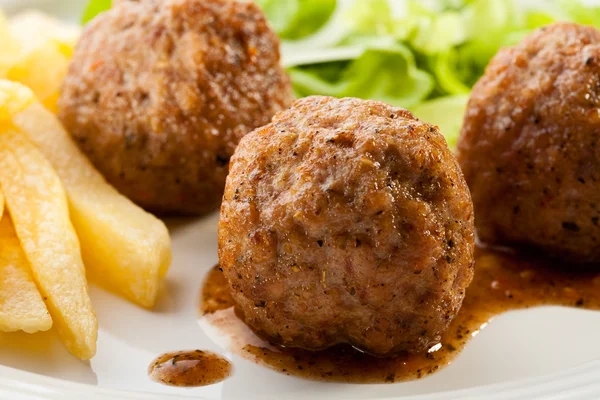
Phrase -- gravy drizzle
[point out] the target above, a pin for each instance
(502, 282)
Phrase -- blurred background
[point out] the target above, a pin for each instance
(424, 55)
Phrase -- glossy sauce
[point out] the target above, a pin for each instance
(502, 282)
(189, 368)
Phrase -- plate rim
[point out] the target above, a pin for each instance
(581, 382)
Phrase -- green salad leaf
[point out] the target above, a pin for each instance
(427, 56)
(442, 33)
(382, 72)
(445, 112)
(453, 75)
(94, 8)
(580, 12)
(295, 19)
(374, 17)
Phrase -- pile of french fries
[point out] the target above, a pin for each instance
(59, 218)
(35, 50)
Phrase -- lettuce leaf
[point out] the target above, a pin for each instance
(445, 112)
(440, 33)
(369, 18)
(580, 12)
(295, 19)
(453, 74)
(382, 72)
(94, 8)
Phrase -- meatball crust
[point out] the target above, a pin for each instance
(159, 93)
(347, 221)
(530, 145)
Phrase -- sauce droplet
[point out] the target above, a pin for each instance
(189, 368)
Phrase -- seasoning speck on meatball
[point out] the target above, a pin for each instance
(159, 93)
(347, 221)
(530, 145)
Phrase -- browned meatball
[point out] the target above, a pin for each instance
(347, 221)
(159, 93)
(530, 145)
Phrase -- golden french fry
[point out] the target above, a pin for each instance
(14, 97)
(4, 29)
(42, 70)
(21, 305)
(125, 248)
(1, 204)
(38, 206)
(32, 29)
(35, 50)
(9, 48)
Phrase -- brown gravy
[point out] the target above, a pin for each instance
(189, 368)
(502, 282)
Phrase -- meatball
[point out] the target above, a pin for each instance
(530, 145)
(160, 92)
(347, 221)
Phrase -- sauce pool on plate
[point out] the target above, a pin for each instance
(502, 282)
(190, 368)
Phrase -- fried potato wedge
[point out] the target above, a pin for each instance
(124, 248)
(14, 98)
(38, 206)
(9, 48)
(32, 29)
(21, 305)
(42, 70)
(35, 50)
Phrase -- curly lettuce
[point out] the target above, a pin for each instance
(94, 8)
(385, 72)
(295, 19)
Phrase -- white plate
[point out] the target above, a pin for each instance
(545, 353)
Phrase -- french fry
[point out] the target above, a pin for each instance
(35, 50)
(9, 48)
(38, 206)
(125, 248)
(21, 305)
(42, 70)
(14, 98)
(32, 29)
